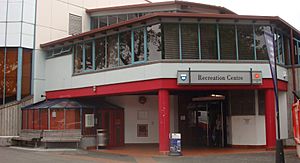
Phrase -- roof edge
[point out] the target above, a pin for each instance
(89, 11)
(150, 16)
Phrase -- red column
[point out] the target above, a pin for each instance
(270, 119)
(164, 120)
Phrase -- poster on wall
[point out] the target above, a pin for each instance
(142, 115)
(142, 130)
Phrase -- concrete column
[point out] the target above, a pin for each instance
(164, 120)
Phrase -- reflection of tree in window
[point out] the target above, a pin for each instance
(245, 40)
(139, 44)
(261, 49)
(11, 75)
(112, 51)
(26, 72)
(88, 56)
(78, 63)
(100, 53)
(278, 47)
(125, 48)
(154, 42)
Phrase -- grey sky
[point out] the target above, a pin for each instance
(286, 9)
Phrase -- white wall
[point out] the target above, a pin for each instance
(65, 80)
(248, 130)
(132, 106)
(283, 114)
(52, 23)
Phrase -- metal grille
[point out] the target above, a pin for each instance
(75, 24)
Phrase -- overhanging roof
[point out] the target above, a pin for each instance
(274, 19)
(158, 4)
(66, 103)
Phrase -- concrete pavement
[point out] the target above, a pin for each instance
(13, 155)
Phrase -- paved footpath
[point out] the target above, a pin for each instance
(12, 155)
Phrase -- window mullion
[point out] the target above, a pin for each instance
(254, 42)
(218, 42)
(236, 42)
(145, 43)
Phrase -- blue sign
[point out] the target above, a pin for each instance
(183, 77)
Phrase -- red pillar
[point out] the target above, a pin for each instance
(270, 119)
(164, 120)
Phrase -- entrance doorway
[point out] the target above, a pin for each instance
(112, 121)
(202, 123)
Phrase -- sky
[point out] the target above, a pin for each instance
(289, 10)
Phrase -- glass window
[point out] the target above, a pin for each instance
(171, 41)
(208, 36)
(279, 48)
(30, 119)
(154, 42)
(261, 48)
(11, 75)
(287, 51)
(227, 42)
(139, 45)
(72, 119)
(296, 52)
(78, 62)
(122, 18)
(43, 119)
(88, 48)
(189, 39)
(102, 21)
(261, 102)
(112, 51)
(24, 119)
(125, 48)
(57, 119)
(26, 73)
(245, 41)
(242, 102)
(100, 53)
(1, 74)
(36, 124)
(94, 22)
(112, 19)
(132, 16)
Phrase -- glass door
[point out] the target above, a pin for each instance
(215, 124)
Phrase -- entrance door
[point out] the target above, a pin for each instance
(113, 123)
(204, 124)
(215, 124)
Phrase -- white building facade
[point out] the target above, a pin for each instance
(130, 54)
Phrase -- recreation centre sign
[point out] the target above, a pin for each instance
(219, 77)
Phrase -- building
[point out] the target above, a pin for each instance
(142, 71)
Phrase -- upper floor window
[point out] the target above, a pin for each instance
(177, 41)
(75, 24)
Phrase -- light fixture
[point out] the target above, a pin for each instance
(142, 99)
(94, 88)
